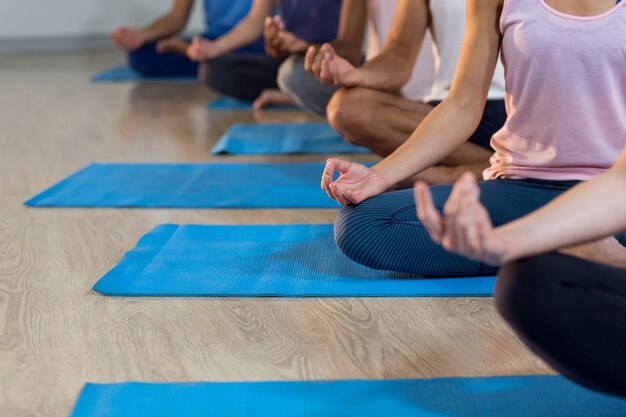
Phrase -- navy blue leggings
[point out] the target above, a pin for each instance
(572, 313)
(242, 74)
(384, 233)
(147, 61)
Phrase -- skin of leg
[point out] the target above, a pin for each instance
(357, 114)
(269, 97)
(606, 251)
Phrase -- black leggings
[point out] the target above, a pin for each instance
(242, 75)
(572, 313)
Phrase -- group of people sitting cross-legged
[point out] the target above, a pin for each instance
(527, 95)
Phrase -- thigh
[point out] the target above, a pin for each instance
(149, 62)
(384, 233)
(572, 313)
(243, 75)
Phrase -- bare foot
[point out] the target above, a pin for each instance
(605, 251)
(269, 97)
(172, 45)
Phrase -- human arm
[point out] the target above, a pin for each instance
(590, 211)
(167, 25)
(244, 33)
(392, 68)
(279, 41)
(448, 125)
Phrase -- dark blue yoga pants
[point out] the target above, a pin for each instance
(384, 233)
(147, 61)
(242, 74)
(572, 313)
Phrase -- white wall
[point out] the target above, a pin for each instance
(28, 19)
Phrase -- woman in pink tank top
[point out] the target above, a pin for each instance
(566, 104)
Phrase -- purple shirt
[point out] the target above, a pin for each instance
(315, 21)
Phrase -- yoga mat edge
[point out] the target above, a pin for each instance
(337, 276)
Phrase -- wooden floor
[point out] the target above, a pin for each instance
(56, 334)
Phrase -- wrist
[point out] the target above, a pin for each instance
(385, 177)
(302, 47)
(358, 78)
(512, 248)
(143, 37)
(219, 48)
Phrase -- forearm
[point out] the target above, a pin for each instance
(444, 130)
(246, 32)
(386, 72)
(590, 211)
(352, 24)
(348, 51)
(168, 25)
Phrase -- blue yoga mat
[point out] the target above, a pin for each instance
(266, 260)
(237, 185)
(227, 103)
(518, 396)
(124, 73)
(281, 138)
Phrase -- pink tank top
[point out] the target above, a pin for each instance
(565, 93)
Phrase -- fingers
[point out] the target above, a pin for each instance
(427, 213)
(271, 31)
(316, 64)
(326, 60)
(193, 49)
(309, 58)
(341, 165)
(125, 38)
(462, 217)
(340, 194)
(335, 190)
(327, 177)
(279, 22)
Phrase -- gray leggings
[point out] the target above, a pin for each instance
(304, 88)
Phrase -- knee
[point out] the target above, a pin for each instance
(360, 229)
(349, 111)
(350, 233)
(220, 76)
(141, 62)
(289, 73)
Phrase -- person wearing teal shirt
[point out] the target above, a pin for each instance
(157, 51)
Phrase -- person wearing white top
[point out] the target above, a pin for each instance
(356, 16)
(370, 108)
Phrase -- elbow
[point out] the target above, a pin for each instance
(471, 108)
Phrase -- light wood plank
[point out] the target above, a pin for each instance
(55, 334)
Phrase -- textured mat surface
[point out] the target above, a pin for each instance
(265, 260)
(237, 185)
(279, 138)
(124, 73)
(519, 396)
